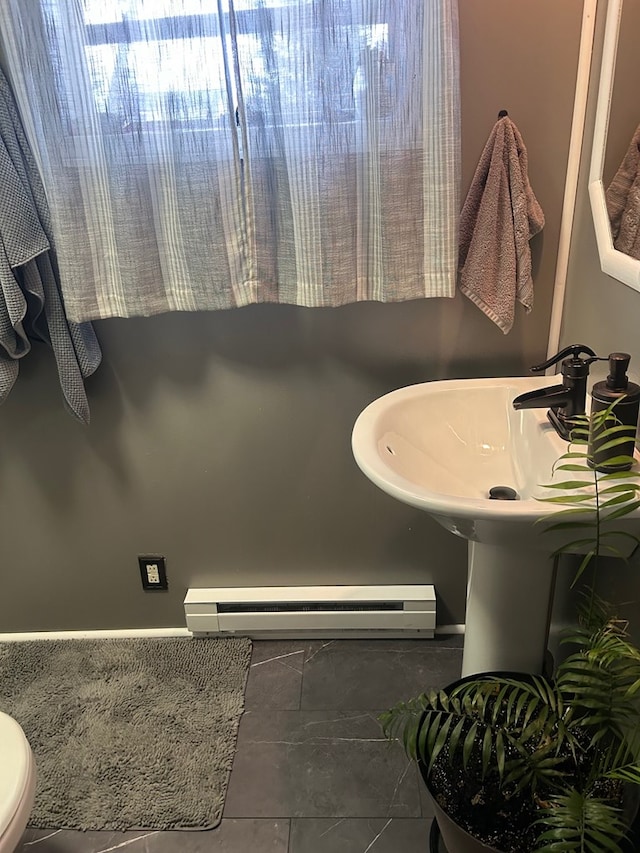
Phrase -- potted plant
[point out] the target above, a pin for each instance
(517, 763)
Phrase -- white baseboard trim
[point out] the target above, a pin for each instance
(140, 633)
(121, 634)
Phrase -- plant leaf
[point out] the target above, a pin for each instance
(455, 738)
(500, 753)
(582, 567)
(568, 484)
(567, 499)
(615, 442)
(469, 743)
(439, 742)
(570, 547)
(622, 511)
(571, 525)
(487, 743)
(630, 488)
(618, 475)
(615, 501)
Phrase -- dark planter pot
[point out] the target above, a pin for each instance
(458, 840)
(455, 838)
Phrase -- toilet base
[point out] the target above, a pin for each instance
(13, 833)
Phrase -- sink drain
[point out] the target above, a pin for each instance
(502, 493)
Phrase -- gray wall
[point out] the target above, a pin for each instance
(599, 310)
(222, 440)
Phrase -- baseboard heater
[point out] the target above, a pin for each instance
(279, 612)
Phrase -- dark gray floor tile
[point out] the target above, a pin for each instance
(348, 835)
(69, 841)
(326, 766)
(319, 764)
(275, 675)
(360, 674)
(448, 641)
(426, 803)
(231, 836)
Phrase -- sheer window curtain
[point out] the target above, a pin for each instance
(206, 154)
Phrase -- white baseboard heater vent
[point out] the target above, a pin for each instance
(330, 612)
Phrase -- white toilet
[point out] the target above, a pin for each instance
(17, 783)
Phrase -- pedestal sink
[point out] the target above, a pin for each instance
(441, 447)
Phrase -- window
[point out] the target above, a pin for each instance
(213, 153)
(165, 63)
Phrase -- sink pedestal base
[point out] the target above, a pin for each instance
(509, 595)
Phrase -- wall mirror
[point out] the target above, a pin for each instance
(617, 118)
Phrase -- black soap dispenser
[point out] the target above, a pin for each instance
(615, 387)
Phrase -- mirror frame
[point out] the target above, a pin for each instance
(612, 262)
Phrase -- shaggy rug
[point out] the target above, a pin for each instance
(128, 734)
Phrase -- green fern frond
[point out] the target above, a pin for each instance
(567, 485)
(627, 773)
(580, 822)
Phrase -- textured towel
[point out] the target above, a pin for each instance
(31, 306)
(499, 217)
(623, 201)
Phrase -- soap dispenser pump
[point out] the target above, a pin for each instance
(616, 387)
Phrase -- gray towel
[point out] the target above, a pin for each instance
(31, 306)
(623, 201)
(499, 217)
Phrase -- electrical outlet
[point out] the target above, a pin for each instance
(153, 572)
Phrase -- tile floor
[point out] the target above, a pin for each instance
(312, 772)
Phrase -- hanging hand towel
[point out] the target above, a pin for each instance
(499, 217)
(31, 306)
(623, 201)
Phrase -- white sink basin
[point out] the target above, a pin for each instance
(441, 446)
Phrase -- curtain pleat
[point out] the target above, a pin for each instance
(207, 154)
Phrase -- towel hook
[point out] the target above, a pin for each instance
(502, 114)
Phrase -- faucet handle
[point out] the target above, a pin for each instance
(574, 350)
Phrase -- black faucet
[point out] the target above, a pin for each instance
(563, 401)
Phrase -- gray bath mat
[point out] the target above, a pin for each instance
(128, 734)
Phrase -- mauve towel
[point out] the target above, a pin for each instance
(623, 201)
(31, 306)
(499, 217)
